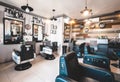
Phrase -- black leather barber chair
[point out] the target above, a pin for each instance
(96, 60)
(48, 49)
(47, 53)
(54, 46)
(22, 58)
(85, 49)
(72, 71)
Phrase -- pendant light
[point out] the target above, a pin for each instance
(86, 11)
(27, 8)
(53, 18)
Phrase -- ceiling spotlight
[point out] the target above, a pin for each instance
(27, 8)
(86, 11)
(53, 18)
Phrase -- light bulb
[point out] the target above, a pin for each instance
(27, 9)
(86, 13)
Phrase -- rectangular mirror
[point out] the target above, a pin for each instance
(12, 31)
(37, 32)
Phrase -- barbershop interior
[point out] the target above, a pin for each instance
(59, 41)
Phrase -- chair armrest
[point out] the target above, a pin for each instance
(97, 73)
(61, 78)
(16, 58)
(16, 52)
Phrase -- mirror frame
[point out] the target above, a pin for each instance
(21, 33)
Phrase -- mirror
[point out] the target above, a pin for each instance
(37, 32)
(12, 31)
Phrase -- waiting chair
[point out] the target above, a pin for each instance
(72, 71)
(22, 58)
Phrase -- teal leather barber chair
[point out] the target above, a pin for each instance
(72, 71)
(96, 60)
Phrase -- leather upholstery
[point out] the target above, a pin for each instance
(96, 60)
(54, 46)
(22, 58)
(47, 50)
(79, 72)
(85, 49)
(26, 54)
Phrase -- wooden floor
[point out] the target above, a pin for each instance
(41, 71)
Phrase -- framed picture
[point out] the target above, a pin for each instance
(53, 29)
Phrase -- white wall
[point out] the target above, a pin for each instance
(58, 37)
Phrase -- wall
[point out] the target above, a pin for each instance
(58, 36)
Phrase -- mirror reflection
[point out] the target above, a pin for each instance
(37, 33)
(12, 31)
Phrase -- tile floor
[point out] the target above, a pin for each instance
(41, 71)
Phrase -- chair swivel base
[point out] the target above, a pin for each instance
(49, 57)
(23, 66)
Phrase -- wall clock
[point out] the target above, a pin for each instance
(102, 25)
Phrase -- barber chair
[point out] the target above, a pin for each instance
(77, 51)
(85, 49)
(117, 54)
(72, 71)
(47, 50)
(96, 60)
(64, 49)
(47, 53)
(22, 58)
(54, 46)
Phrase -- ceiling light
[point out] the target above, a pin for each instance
(53, 18)
(72, 21)
(26, 7)
(86, 11)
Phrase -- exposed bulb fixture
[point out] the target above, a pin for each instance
(27, 8)
(53, 18)
(86, 11)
